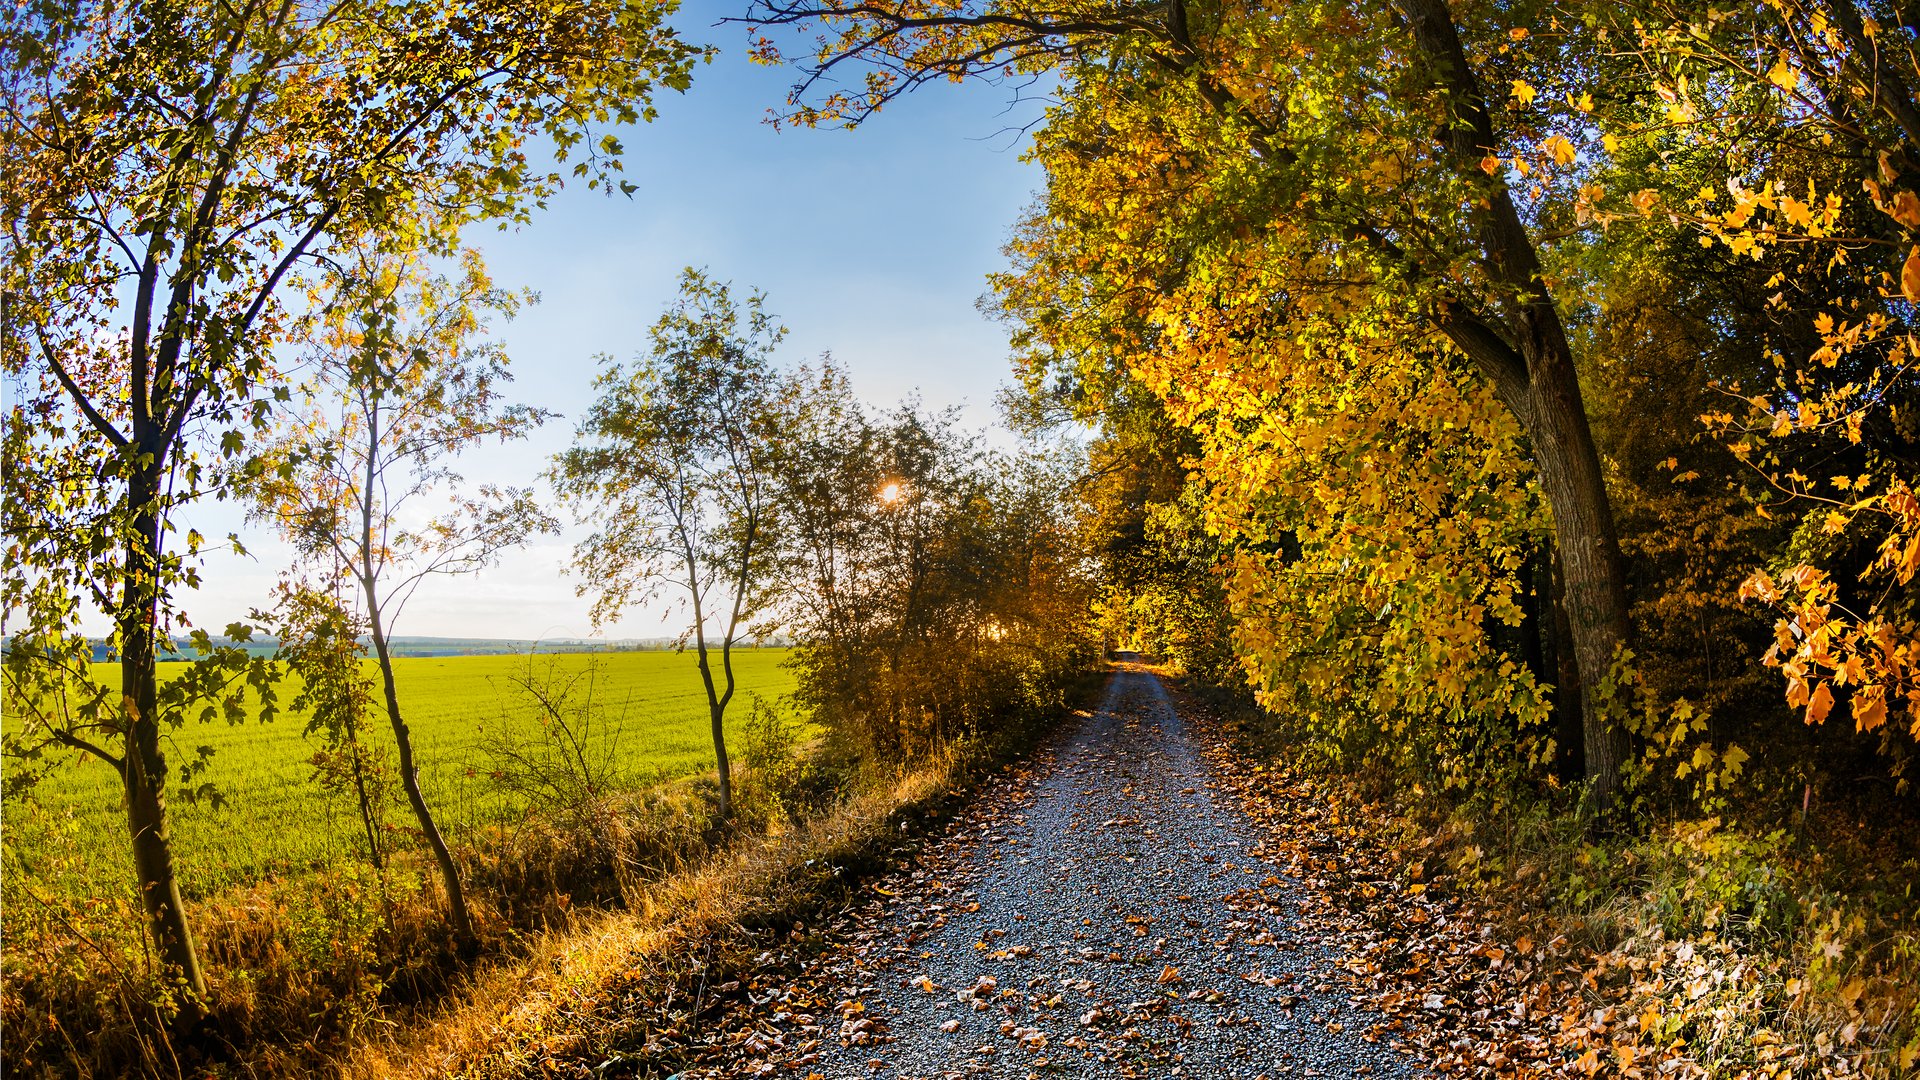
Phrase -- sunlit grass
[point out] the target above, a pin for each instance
(276, 820)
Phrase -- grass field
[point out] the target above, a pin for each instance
(277, 821)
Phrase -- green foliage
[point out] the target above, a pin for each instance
(671, 463)
(776, 766)
(674, 469)
(175, 175)
(56, 703)
(320, 647)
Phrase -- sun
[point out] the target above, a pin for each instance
(891, 491)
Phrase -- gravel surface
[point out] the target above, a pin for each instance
(1108, 913)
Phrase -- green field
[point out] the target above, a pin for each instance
(276, 820)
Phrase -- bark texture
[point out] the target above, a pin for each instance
(143, 769)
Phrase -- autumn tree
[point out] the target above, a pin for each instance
(403, 382)
(1803, 118)
(173, 171)
(1222, 181)
(933, 588)
(674, 471)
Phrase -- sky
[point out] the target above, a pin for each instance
(872, 244)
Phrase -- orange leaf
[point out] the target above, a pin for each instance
(1796, 691)
(1870, 707)
(1906, 209)
(1910, 277)
(1820, 705)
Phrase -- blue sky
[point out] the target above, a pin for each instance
(873, 244)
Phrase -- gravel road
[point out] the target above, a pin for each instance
(1108, 913)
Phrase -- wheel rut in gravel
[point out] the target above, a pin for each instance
(1109, 913)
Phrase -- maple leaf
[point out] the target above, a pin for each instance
(1783, 76)
(1819, 704)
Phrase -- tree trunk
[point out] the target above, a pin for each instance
(1568, 725)
(144, 767)
(717, 715)
(1593, 581)
(410, 782)
(360, 789)
(403, 739)
(716, 711)
(1527, 358)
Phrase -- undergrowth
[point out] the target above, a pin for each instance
(592, 992)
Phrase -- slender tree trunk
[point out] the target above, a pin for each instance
(716, 712)
(144, 768)
(410, 783)
(716, 716)
(360, 789)
(463, 930)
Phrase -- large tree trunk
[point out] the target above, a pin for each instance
(1567, 722)
(1521, 345)
(410, 783)
(144, 767)
(1593, 584)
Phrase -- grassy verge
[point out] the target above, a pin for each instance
(589, 992)
(1693, 947)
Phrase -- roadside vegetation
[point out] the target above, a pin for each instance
(1511, 409)
(559, 779)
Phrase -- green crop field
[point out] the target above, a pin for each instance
(277, 821)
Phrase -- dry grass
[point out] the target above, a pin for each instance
(551, 1001)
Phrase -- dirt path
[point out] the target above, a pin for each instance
(1109, 913)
